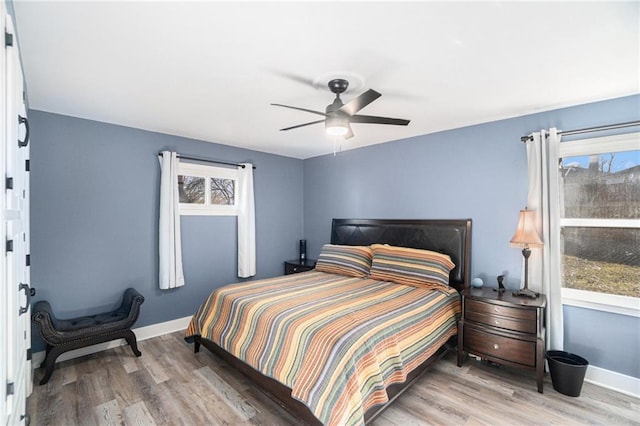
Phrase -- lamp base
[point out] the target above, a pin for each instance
(525, 292)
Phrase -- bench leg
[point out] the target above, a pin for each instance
(46, 354)
(53, 352)
(130, 337)
(50, 361)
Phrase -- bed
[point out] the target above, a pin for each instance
(386, 327)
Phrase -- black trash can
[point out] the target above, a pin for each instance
(567, 372)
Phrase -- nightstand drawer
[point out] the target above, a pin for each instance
(295, 266)
(294, 269)
(482, 343)
(509, 323)
(494, 309)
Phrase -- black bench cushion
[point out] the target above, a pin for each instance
(90, 321)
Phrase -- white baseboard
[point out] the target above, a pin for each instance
(598, 376)
(142, 333)
(611, 380)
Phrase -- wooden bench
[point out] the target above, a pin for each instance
(65, 335)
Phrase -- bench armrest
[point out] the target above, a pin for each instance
(42, 315)
(131, 303)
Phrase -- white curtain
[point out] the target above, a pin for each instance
(543, 197)
(171, 274)
(246, 222)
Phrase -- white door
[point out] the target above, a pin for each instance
(4, 291)
(15, 224)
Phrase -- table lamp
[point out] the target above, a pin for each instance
(526, 236)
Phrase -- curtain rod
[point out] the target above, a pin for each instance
(206, 160)
(592, 129)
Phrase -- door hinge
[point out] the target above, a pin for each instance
(8, 39)
(10, 388)
(8, 183)
(28, 260)
(29, 354)
(27, 166)
(9, 245)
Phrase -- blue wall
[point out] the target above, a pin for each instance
(94, 219)
(476, 172)
(606, 340)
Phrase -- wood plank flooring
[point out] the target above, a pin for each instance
(170, 385)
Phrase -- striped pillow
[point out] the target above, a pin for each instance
(410, 266)
(352, 261)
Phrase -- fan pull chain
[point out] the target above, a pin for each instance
(336, 147)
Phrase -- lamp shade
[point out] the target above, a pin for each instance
(526, 234)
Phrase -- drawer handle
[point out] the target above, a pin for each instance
(497, 322)
(496, 346)
(295, 269)
(496, 309)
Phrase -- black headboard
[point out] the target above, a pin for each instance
(452, 237)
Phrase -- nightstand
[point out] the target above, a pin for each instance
(504, 329)
(295, 266)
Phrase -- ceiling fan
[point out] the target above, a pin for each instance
(338, 116)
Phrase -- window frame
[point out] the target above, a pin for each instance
(207, 172)
(613, 303)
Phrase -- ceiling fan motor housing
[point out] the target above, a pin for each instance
(333, 108)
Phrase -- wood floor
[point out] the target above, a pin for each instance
(170, 385)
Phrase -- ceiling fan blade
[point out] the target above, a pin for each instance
(360, 102)
(302, 125)
(372, 119)
(349, 134)
(298, 78)
(302, 109)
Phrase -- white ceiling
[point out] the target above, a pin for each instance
(209, 70)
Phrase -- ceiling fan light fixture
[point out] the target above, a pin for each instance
(337, 126)
(337, 130)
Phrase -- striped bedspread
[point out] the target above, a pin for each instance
(336, 341)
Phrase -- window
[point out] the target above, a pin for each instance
(207, 190)
(600, 222)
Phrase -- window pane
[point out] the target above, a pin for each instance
(602, 186)
(604, 260)
(222, 191)
(191, 189)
